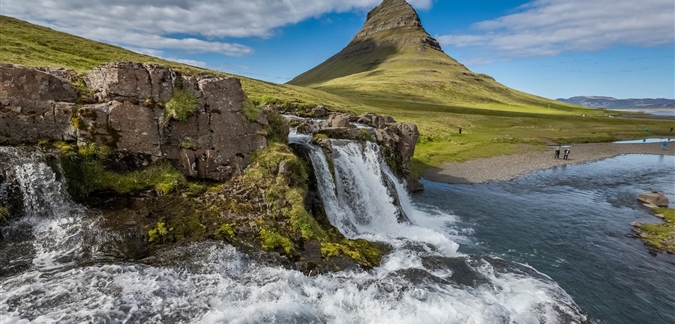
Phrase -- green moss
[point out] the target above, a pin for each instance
(77, 122)
(301, 219)
(181, 106)
(278, 128)
(251, 111)
(85, 172)
(361, 251)
(82, 88)
(189, 145)
(227, 230)
(271, 240)
(318, 137)
(195, 189)
(157, 234)
(4, 214)
(661, 236)
(367, 135)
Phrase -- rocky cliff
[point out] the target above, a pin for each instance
(134, 142)
(145, 113)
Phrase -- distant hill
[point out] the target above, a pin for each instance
(613, 103)
(393, 57)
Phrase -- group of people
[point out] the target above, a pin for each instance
(566, 153)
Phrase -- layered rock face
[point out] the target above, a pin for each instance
(126, 110)
(394, 22)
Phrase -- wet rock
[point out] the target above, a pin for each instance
(415, 186)
(338, 120)
(309, 126)
(655, 198)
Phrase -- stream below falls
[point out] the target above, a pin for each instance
(449, 263)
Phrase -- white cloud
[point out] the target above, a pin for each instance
(188, 62)
(550, 27)
(191, 26)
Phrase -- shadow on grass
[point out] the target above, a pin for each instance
(422, 170)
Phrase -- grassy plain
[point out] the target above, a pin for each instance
(496, 120)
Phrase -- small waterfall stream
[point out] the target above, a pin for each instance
(423, 280)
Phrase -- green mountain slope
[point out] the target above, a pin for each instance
(393, 57)
(32, 45)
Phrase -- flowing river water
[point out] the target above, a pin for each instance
(461, 254)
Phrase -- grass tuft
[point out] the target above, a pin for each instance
(181, 106)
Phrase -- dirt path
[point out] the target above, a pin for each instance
(508, 167)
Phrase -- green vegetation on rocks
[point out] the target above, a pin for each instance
(85, 173)
(4, 214)
(189, 145)
(181, 106)
(158, 233)
(271, 240)
(660, 237)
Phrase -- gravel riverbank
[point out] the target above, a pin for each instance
(507, 167)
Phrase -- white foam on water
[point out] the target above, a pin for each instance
(218, 284)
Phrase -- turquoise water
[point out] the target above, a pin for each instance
(571, 223)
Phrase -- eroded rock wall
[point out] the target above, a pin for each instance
(124, 106)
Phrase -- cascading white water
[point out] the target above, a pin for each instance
(416, 282)
(56, 221)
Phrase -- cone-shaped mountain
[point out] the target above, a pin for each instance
(393, 57)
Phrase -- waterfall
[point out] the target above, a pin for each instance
(364, 199)
(54, 220)
(423, 279)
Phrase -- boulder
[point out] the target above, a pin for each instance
(138, 128)
(34, 105)
(338, 120)
(409, 135)
(131, 81)
(127, 114)
(319, 112)
(654, 198)
(309, 126)
(220, 137)
(346, 133)
(374, 120)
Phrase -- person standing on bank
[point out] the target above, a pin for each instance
(567, 153)
(557, 152)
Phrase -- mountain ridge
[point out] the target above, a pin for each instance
(393, 58)
(614, 103)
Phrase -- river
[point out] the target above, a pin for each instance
(571, 223)
(461, 254)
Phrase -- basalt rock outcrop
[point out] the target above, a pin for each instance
(123, 105)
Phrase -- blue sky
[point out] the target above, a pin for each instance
(552, 48)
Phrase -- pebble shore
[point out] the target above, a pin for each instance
(508, 167)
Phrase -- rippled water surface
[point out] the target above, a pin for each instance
(571, 224)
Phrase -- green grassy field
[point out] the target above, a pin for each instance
(491, 127)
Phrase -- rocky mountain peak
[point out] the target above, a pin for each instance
(394, 22)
